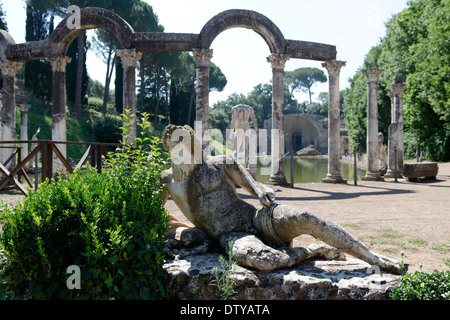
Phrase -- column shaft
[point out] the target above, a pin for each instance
(334, 122)
(277, 176)
(395, 143)
(59, 129)
(373, 162)
(202, 60)
(129, 59)
(8, 113)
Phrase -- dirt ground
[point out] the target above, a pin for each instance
(390, 217)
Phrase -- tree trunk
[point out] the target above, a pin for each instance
(191, 105)
(166, 89)
(155, 119)
(81, 42)
(141, 93)
(109, 71)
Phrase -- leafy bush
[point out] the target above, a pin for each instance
(110, 224)
(423, 286)
(106, 128)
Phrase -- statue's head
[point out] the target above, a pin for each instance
(184, 148)
(173, 135)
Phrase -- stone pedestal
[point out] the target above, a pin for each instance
(59, 130)
(373, 163)
(277, 62)
(8, 114)
(129, 58)
(395, 143)
(202, 59)
(334, 123)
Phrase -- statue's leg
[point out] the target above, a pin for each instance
(250, 251)
(290, 222)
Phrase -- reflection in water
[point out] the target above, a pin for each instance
(309, 169)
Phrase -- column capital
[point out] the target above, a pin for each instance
(58, 63)
(334, 66)
(9, 68)
(129, 57)
(397, 89)
(278, 60)
(202, 57)
(372, 74)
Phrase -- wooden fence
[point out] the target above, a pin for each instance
(95, 152)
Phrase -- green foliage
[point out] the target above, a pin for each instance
(110, 224)
(302, 79)
(416, 45)
(423, 286)
(226, 279)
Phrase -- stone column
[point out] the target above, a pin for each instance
(202, 59)
(373, 162)
(395, 139)
(277, 62)
(8, 113)
(59, 129)
(24, 130)
(334, 122)
(129, 59)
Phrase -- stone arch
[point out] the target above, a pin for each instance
(5, 40)
(92, 18)
(235, 18)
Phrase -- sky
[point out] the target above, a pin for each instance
(353, 26)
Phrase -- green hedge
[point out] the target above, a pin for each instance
(423, 286)
(110, 224)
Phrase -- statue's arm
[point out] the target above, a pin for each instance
(167, 177)
(242, 177)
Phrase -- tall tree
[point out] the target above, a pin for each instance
(38, 73)
(3, 24)
(417, 45)
(303, 79)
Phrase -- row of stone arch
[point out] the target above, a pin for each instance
(132, 43)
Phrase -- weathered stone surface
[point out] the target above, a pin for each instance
(189, 278)
(308, 151)
(413, 171)
(373, 163)
(334, 140)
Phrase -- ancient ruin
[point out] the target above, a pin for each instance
(395, 131)
(373, 162)
(132, 43)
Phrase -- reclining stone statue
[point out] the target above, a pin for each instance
(205, 191)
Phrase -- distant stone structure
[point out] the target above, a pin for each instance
(302, 130)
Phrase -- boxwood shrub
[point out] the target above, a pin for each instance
(423, 286)
(110, 224)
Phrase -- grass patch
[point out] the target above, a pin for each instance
(390, 233)
(443, 247)
(418, 241)
(350, 225)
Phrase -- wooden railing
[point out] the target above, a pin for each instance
(95, 152)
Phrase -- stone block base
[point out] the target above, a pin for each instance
(277, 180)
(334, 179)
(352, 279)
(425, 170)
(372, 176)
